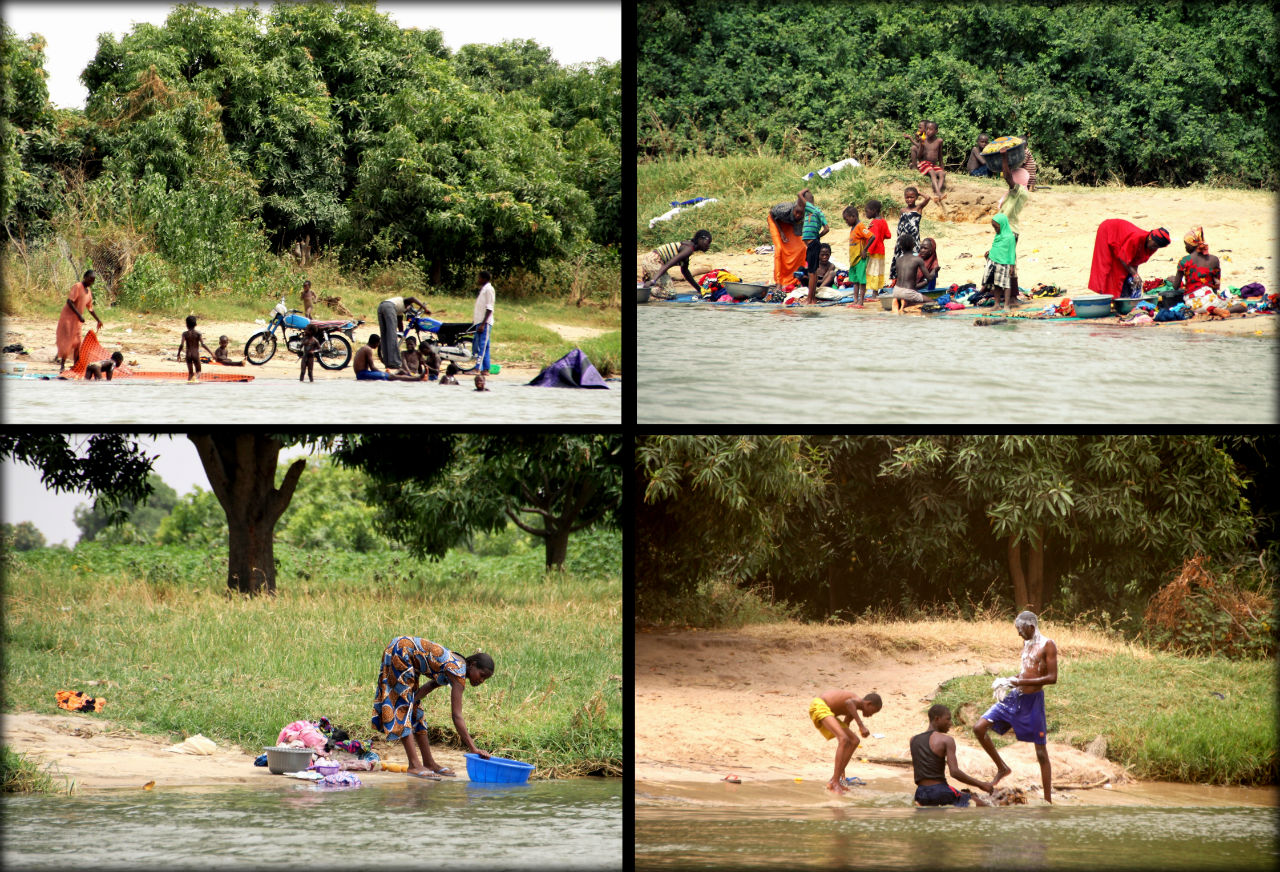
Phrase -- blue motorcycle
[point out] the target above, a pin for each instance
(451, 341)
(334, 336)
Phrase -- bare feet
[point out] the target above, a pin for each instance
(424, 773)
(837, 787)
(1001, 773)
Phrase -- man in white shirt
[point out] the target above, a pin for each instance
(482, 318)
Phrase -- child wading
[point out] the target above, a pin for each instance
(826, 711)
(192, 342)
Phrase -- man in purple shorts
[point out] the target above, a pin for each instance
(928, 751)
(1023, 707)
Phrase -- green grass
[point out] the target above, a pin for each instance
(20, 774)
(1158, 714)
(183, 658)
(748, 186)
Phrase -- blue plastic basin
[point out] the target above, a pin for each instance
(498, 770)
(1092, 307)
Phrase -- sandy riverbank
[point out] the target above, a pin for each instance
(713, 703)
(153, 344)
(95, 752)
(1056, 245)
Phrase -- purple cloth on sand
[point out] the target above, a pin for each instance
(573, 370)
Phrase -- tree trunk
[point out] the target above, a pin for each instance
(557, 545)
(242, 473)
(1019, 578)
(1035, 573)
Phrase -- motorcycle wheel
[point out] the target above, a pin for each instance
(260, 348)
(335, 351)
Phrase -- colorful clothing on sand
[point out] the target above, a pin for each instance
(908, 222)
(1022, 711)
(407, 659)
(1118, 242)
(1194, 276)
(819, 710)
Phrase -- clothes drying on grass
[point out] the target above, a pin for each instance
(676, 210)
(574, 370)
(75, 701)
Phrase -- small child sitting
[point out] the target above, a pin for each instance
(222, 354)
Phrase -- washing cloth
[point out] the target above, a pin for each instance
(407, 659)
(75, 701)
(197, 744)
(817, 711)
(1022, 711)
(305, 732)
(305, 775)
(1000, 688)
(340, 779)
(667, 216)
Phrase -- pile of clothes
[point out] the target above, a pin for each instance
(713, 285)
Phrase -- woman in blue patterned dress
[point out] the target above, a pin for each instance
(397, 707)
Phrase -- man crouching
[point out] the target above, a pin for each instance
(928, 750)
(825, 711)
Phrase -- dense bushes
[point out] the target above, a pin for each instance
(224, 137)
(1170, 93)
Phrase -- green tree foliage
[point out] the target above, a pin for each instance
(549, 486)
(1169, 93)
(23, 536)
(196, 520)
(144, 516)
(840, 523)
(112, 466)
(328, 511)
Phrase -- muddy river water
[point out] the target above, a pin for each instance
(786, 825)
(570, 824)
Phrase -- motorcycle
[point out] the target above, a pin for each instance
(452, 341)
(334, 336)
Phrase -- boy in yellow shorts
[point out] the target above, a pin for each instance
(826, 711)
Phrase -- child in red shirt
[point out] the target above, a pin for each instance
(875, 248)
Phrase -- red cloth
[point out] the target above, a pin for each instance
(1118, 242)
(879, 233)
(925, 167)
(69, 325)
(787, 257)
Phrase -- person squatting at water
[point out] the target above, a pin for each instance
(1023, 706)
(825, 711)
(928, 751)
(104, 368)
(398, 705)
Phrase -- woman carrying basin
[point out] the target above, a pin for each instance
(398, 705)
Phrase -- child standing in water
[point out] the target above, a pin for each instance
(908, 225)
(879, 230)
(859, 239)
(192, 341)
(310, 348)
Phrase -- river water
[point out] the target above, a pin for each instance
(286, 401)
(719, 364)
(574, 824)
(1133, 828)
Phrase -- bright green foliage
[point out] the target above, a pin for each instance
(1171, 93)
(842, 523)
(197, 521)
(22, 536)
(144, 515)
(328, 511)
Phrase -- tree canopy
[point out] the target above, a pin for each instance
(144, 516)
(840, 523)
(1163, 92)
(240, 130)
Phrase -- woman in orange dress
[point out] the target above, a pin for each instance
(79, 301)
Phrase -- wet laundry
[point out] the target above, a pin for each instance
(75, 701)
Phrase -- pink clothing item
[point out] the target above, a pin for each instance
(305, 732)
(1021, 177)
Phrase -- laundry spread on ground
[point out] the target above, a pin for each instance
(197, 744)
(75, 701)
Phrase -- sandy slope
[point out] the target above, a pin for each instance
(719, 702)
(98, 753)
(1058, 228)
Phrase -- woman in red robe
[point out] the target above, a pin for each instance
(79, 301)
(1119, 248)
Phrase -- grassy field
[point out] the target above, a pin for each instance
(180, 657)
(1159, 714)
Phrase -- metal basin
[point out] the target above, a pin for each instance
(642, 294)
(745, 290)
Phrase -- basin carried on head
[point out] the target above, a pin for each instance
(282, 760)
(497, 770)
